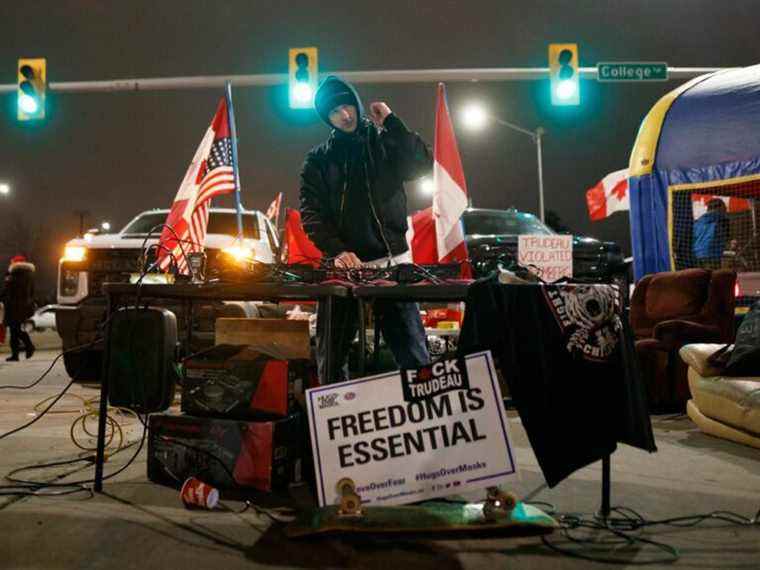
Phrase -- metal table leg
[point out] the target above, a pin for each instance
(362, 339)
(328, 339)
(189, 324)
(376, 344)
(103, 409)
(606, 486)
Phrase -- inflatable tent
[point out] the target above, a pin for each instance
(700, 140)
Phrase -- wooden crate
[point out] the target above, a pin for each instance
(280, 338)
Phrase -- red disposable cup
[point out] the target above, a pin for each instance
(196, 493)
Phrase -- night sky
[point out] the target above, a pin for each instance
(118, 154)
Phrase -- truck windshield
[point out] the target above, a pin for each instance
(218, 223)
(503, 223)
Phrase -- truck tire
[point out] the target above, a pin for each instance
(83, 365)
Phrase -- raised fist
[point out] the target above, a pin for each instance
(378, 111)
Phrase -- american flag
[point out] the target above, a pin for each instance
(209, 174)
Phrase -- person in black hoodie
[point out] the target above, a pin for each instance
(353, 207)
(18, 300)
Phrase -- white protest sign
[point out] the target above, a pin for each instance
(412, 435)
(549, 256)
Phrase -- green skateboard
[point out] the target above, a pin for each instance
(500, 513)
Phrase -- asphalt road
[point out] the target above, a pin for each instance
(137, 524)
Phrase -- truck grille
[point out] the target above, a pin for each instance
(111, 266)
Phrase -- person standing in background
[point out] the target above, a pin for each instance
(18, 301)
(710, 235)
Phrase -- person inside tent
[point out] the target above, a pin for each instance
(710, 235)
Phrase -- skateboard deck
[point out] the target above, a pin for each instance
(427, 517)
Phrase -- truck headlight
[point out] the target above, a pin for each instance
(69, 282)
(74, 253)
(240, 253)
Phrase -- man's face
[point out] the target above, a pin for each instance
(343, 117)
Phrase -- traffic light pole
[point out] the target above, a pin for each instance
(539, 156)
(377, 76)
(536, 136)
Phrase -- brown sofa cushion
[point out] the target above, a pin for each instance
(677, 294)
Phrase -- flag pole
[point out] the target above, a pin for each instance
(279, 209)
(235, 168)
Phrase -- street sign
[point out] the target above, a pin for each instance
(632, 71)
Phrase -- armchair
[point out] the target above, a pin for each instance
(669, 310)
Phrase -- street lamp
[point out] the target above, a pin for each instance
(474, 116)
(106, 226)
(427, 186)
(5, 189)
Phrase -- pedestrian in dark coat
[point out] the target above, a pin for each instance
(353, 207)
(18, 300)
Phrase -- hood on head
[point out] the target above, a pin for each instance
(21, 266)
(332, 92)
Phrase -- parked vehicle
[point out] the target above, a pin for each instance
(43, 319)
(92, 260)
(492, 237)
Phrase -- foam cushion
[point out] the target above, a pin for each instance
(677, 294)
(713, 427)
(696, 355)
(729, 399)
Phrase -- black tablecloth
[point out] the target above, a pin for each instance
(567, 355)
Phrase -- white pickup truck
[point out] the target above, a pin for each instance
(94, 259)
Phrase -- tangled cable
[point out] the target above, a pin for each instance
(620, 537)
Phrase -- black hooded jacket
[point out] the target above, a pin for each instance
(352, 192)
(18, 293)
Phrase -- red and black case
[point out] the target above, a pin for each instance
(227, 454)
(233, 382)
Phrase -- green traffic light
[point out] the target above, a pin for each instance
(302, 93)
(566, 89)
(28, 104)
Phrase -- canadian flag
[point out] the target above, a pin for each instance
(608, 196)
(211, 173)
(273, 212)
(611, 195)
(733, 205)
(436, 235)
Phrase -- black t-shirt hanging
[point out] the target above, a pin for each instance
(569, 361)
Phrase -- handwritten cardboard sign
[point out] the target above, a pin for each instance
(548, 256)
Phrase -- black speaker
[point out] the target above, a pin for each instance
(142, 344)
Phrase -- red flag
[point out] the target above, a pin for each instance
(210, 174)
(450, 190)
(733, 205)
(273, 212)
(300, 248)
(608, 196)
(421, 237)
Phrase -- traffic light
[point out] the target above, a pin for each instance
(32, 83)
(564, 74)
(303, 75)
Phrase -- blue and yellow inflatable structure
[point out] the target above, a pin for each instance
(702, 137)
